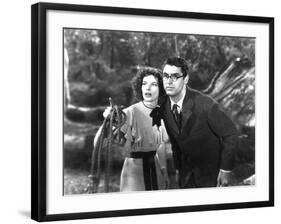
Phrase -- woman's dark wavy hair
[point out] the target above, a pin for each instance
(137, 82)
(178, 62)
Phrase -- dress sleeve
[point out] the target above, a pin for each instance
(127, 128)
(164, 134)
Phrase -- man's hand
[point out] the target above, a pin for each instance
(223, 178)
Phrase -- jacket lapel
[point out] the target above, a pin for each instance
(170, 118)
(186, 111)
(187, 107)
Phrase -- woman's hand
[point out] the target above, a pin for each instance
(107, 112)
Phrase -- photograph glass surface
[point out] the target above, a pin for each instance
(101, 64)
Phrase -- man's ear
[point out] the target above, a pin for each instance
(186, 79)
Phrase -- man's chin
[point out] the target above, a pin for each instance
(170, 93)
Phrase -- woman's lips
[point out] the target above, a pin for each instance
(147, 94)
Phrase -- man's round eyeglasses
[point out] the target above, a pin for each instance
(174, 77)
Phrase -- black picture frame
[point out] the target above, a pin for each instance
(39, 109)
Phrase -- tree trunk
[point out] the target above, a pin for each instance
(176, 46)
(111, 53)
(66, 83)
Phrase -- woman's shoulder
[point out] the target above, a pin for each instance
(133, 106)
(130, 110)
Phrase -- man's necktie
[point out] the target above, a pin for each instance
(176, 115)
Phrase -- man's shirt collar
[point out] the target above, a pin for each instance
(179, 103)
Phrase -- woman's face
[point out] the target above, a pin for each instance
(150, 89)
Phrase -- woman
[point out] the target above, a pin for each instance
(144, 167)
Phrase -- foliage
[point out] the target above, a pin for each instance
(104, 59)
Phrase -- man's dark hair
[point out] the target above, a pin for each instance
(137, 81)
(178, 62)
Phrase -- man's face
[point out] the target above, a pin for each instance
(173, 88)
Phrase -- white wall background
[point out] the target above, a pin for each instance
(15, 111)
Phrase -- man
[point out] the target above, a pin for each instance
(203, 138)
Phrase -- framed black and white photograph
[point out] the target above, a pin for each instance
(140, 111)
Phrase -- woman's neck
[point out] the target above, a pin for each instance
(150, 104)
